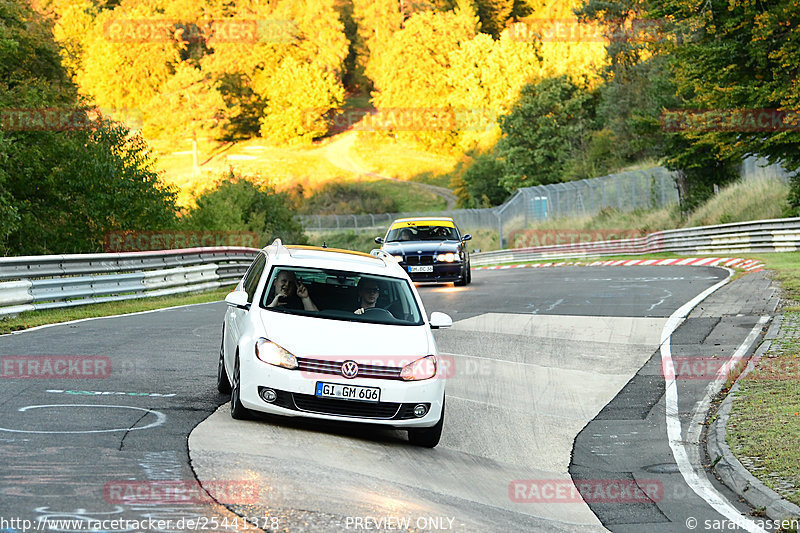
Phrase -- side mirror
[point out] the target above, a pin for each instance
(379, 240)
(238, 299)
(440, 320)
(466, 237)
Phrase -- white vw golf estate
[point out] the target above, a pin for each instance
(336, 335)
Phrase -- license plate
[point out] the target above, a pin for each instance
(348, 392)
(423, 268)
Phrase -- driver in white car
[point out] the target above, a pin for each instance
(368, 294)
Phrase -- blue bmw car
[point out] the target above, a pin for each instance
(430, 249)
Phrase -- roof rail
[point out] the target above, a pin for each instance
(383, 255)
(279, 247)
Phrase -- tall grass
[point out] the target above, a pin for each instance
(742, 201)
(738, 202)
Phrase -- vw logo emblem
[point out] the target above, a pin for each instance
(350, 369)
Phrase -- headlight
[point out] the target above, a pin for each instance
(446, 258)
(398, 258)
(271, 353)
(423, 368)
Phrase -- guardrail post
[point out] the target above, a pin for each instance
(500, 229)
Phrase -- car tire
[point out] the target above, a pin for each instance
(469, 274)
(427, 437)
(238, 411)
(463, 281)
(223, 383)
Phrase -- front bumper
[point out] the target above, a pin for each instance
(442, 272)
(295, 397)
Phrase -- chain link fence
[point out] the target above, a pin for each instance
(650, 188)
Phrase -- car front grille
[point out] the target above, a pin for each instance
(327, 406)
(414, 260)
(322, 366)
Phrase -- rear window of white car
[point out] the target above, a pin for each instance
(341, 295)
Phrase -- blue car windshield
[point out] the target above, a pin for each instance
(422, 233)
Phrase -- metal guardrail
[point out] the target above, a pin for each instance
(639, 189)
(53, 281)
(776, 235)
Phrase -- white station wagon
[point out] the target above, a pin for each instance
(335, 335)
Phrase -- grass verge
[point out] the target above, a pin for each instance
(765, 416)
(53, 316)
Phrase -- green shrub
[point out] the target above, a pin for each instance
(239, 203)
(348, 198)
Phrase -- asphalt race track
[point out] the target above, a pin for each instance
(556, 381)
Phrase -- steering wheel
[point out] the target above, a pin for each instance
(378, 312)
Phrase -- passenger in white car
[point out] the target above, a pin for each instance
(290, 293)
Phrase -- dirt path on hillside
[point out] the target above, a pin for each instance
(338, 154)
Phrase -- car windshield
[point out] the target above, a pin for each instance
(341, 295)
(422, 233)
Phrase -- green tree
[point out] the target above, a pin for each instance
(738, 56)
(63, 190)
(550, 124)
(299, 97)
(73, 22)
(189, 105)
(239, 203)
(486, 77)
(494, 14)
(71, 188)
(638, 86)
(125, 69)
(9, 215)
(481, 183)
(376, 22)
(424, 45)
(643, 80)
